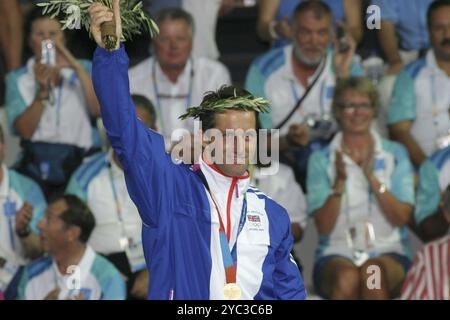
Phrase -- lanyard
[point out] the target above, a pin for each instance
(159, 95)
(229, 257)
(347, 204)
(115, 194)
(9, 210)
(321, 98)
(434, 108)
(59, 103)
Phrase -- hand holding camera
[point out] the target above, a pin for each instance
(345, 47)
(298, 135)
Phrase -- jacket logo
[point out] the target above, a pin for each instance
(252, 218)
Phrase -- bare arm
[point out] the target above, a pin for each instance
(67, 59)
(397, 212)
(297, 232)
(88, 91)
(353, 19)
(389, 44)
(11, 33)
(32, 246)
(326, 216)
(267, 12)
(401, 132)
(27, 123)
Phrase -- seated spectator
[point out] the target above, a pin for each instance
(100, 183)
(283, 75)
(418, 114)
(282, 187)
(72, 270)
(275, 16)
(173, 79)
(429, 276)
(434, 178)
(51, 108)
(23, 207)
(361, 194)
(403, 30)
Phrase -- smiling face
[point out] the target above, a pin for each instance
(237, 141)
(355, 112)
(312, 36)
(173, 45)
(439, 28)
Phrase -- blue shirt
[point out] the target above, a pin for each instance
(410, 20)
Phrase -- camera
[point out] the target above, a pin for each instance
(320, 126)
(48, 52)
(343, 46)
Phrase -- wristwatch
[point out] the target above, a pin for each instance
(336, 193)
(382, 189)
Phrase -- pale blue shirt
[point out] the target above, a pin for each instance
(410, 19)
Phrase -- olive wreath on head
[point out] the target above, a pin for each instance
(244, 103)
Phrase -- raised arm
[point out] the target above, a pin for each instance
(149, 171)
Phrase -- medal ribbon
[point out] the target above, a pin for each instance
(229, 257)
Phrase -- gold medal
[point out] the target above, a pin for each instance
(231, 291)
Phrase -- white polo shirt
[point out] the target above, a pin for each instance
(271, 76)
(100, 183)
(96, 278)
(66, 121)
(172, 99)
(282, 187)
(391, 167)
(422, 95)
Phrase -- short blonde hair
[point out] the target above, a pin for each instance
(362, 85)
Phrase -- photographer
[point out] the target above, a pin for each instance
(361, 195)
(50, 104)
(299, 79)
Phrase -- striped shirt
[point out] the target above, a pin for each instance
(429, 277)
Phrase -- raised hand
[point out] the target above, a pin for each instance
(100, 14)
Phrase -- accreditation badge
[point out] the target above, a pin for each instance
(360, 239)
(232, 291)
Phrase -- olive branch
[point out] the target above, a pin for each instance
(75, 12)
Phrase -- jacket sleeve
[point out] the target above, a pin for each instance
(287, 278)
(149, 170)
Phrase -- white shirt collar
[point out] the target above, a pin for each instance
(219, 182)
(85, 265)
(288, 71)
(336, 145)
(161, 76)
(432, 65)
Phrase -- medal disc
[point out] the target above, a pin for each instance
(231, 291)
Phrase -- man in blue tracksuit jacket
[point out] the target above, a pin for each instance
(207, 233)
